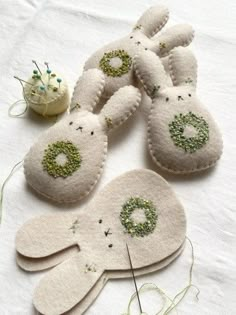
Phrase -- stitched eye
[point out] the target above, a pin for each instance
(189, 95)
(145, 48)
(100, 221)
(131, 36)
(71, 123)
(92, 133)
(167, 99)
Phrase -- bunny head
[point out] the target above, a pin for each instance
(138, 208)
(182, 135)
(66, 161)
(116, 59)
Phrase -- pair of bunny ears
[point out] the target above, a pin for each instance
(138, 208)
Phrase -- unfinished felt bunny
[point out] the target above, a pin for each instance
(182, 135)
(138, 208)
(116, 59)
(67, 160)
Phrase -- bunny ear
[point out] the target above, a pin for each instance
(152, 20)
(88, 90)
(178, 35)
(65, 286)
(46, 235)
(151, 73)
(38, 264)
(120, 106)
(183, 67)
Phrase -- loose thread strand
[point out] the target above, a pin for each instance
(4, 183)
(168, 302)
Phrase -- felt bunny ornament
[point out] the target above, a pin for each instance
(138, 208)
(116, 58)
(67, 160)
(182, 135)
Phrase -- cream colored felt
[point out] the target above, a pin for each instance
(37, 264)
(88, 133)
(166, 238)
(169, 102)
(47, 102)
(84, 304)
(33, 264)
(88, 90)
(141, 39)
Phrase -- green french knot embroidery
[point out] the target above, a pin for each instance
(112, 71)
(138, 229)
(72, 155)
(189, 144)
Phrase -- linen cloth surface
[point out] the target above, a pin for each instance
(65, 34)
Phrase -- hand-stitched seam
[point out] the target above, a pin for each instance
(139, 75)
(184, 44)
(160, 26)
(167, 168)
(96, 97)
(131, 111)
(171, 69)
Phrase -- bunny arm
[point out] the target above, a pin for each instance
(88, 90)
(47, 235)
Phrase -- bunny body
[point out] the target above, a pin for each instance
(102, 238)
(66, 161)
(182, 135)
(118, 71)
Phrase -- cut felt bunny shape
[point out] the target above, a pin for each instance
(67, 160)
(182, 135)
(138, 208)
(116, 58)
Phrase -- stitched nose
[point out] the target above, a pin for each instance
(79, 128)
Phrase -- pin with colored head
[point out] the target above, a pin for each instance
(59, 82)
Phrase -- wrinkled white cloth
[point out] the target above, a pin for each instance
(65, 33)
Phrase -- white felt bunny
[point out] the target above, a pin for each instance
(67, 160)
(138, 208)
(116, 58)
(182, 135)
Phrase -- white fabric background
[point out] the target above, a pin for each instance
(65, 33)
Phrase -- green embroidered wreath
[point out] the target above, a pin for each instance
(189, 144)
(71, 165)
(138, 229)
(112, 71)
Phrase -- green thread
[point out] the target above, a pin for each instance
(188, 81)
(138, 229)
(19, 164)
(73, 159)
(189, 144)
(109, 122)
(155, 90)
(137, 27)
(112, 71)
(168, 304)
(75, 226)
